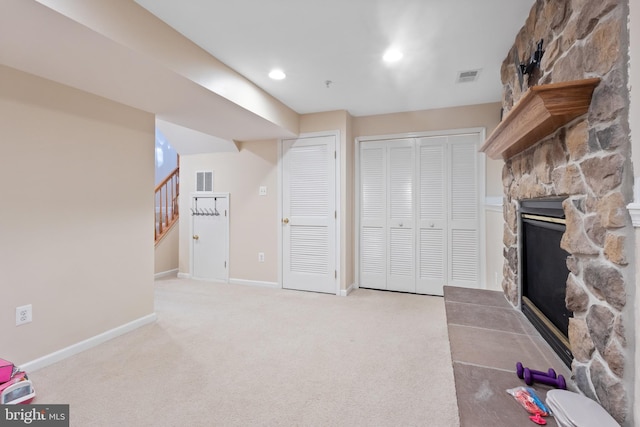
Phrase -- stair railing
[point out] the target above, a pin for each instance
(167, 193)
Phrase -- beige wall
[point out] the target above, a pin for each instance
(253, 222)
(166, 251)
(77, 218)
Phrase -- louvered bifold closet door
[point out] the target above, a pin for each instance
(432, 215)
(464, 255)
(401, 222)
(373, 215)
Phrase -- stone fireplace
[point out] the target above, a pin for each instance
(586, 162)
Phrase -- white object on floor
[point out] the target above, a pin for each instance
(575, 410)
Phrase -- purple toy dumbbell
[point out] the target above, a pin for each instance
(530, 378)
(520, 371)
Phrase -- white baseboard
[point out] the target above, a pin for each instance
(351, 288)
(59, 355)
(184, 276)
(165, 273)
(254, 283)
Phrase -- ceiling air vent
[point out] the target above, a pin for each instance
(204, 181)
(467, 76)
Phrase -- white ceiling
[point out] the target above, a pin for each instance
(343, 41)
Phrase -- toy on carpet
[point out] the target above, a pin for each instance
(15, 386)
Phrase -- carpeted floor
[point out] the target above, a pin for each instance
(231, 355)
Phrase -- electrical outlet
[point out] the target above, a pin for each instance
(23, 314)
(260, 256)
(262, 190)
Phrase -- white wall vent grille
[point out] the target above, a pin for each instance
(468, 76)
(204, 181)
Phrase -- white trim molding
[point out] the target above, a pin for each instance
(165, 273)
(259, 283)
(634, 211)
(184, 275)
(493, 203)
(81, 346)
(346, 292)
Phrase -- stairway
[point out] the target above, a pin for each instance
(166, 196)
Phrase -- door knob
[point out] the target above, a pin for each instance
(286, 220)
(196, 237)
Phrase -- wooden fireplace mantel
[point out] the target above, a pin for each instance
(542, 110)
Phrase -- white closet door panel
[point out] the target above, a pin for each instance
(464, 255)
(432, 268)
(464, 258)
(373, 215)
(372, 188)
(373, 257)
(432, 173)
(401, 260)
(432, 211)
(401, 213)
(401, 181)
(464, 174)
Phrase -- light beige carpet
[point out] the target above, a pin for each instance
(231, 355)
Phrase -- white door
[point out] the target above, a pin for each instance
(400, 223)
(309, 214)
(210, 227)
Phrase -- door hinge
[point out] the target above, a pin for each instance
(335, 154)
(225, 264)
(225, 212)
(335, 274)
(335, 214)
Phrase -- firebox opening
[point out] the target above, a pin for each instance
(544, 272)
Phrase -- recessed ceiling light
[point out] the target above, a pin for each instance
(277, 74)
(392, 55)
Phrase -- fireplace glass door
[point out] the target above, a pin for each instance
(545, 272)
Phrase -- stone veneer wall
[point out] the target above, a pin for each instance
(588, 161)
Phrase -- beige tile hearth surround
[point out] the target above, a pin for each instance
(588, 162)
(487, 337)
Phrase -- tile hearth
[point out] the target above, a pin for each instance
(487, 337)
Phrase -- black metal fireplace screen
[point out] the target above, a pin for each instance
(544, 272)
